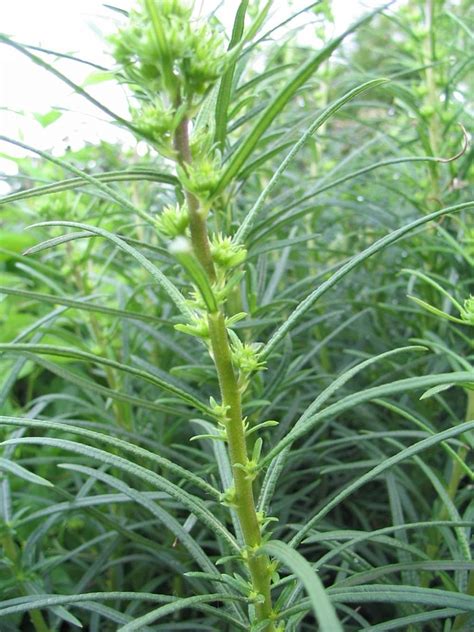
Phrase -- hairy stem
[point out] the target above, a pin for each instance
(197, 219)
(258, 564)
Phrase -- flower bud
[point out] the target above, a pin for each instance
(202, 176)
(155, 121)
(173, 221)
(225, 253)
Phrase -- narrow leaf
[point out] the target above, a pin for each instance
(279, 102)
(246, 225)
(322, 607)
(13, 468)
(377, 246)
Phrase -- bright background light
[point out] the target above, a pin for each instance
(78, 27)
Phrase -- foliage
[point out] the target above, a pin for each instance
(237, 382)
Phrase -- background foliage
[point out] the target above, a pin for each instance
(109, 512)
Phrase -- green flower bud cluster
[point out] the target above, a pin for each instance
(202, 142)
(229, 498)
(225, 253)
(173, 221)
(163, 50)
(246, 356)
(427, 111)
(250, 468)
(203, 60)
(199, 326)
(202, 176)
(156, 121)
(219, 411)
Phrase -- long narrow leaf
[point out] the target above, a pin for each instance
(377, 246)
(377, 470)
(225, 88)
(375, 392)
(128, 175)
(322, 608)
(69, 352)
(138, 452)
(82, 304)
(111, 193)
(325, 115)
(161, 279)
(279, 102)
(191, 502)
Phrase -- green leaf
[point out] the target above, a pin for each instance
(70, 352)
(322, 608)
(418, 422)
(98, 76)
(410, 621)
(90, 386)
(225, 87)
(181, 249)
(111, 193)
(13, 468)
(138, 452)
(47, 119)
(163, 516)
(394, 594)
(166, 62)
(127, 175)
(346, 178)
(389, 462)
(435, 311)
(246, 225)
(345, 539)
(171, 608)
(426, 565)
(449, 507)
(161, 279)
(278, 103)
(354, 262)
(278, 463)
(435, 390)
(400, 386)
(403, 594)
(194, 504)
(40, 62)
(82, 304)
(87, 601)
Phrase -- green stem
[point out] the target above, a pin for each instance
(197, 220)
(259, 565)
(38, 621)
